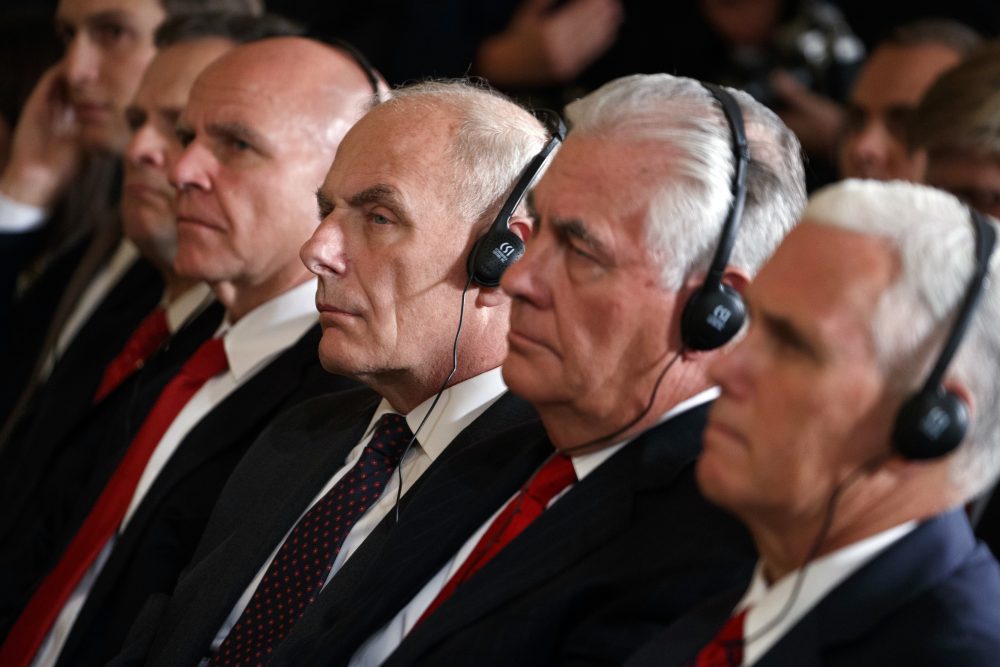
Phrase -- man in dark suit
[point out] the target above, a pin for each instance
(246, 177)
(624, 239)
(414, 185)
(845, 457)
(59, 191)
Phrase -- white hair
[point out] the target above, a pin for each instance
(679, 121)
(494, 142)
(932, 234)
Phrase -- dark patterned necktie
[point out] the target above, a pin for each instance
(296, 576)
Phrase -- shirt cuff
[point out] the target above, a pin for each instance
(17, 218)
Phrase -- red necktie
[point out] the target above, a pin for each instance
(726, 648)
(148, 337)
(295, 577)
(106, 515)
(525, 507)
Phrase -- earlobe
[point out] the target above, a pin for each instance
(491, 297)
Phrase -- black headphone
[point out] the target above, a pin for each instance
(499, 247)
(715, 313)
(932, 422)
(371, 74)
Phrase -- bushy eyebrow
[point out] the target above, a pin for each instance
(787, 333)
(235, 130)
(576, 229)
(325, 205)
(378, 194)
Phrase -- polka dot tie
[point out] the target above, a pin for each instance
(295, 577)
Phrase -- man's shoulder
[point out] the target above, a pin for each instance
(323, 415)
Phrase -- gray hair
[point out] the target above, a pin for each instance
(678, 120)
(495, 140)
(931, 232)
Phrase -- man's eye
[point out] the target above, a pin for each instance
(184, 137)
(107, 33)
(379, 219)
(239, 145)
(582, 253)
(135, 119)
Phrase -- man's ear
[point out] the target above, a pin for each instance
(955, 387)
(489, 297)
(736, 278)
(523, 227)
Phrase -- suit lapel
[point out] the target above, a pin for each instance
(679, 643)
(477, 472)
(220, 576)
(901, 573)
(591, 514)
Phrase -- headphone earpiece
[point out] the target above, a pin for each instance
(499, 247)
(715, 313)
(712, 317)
(933, 422)
(492, 254)
(930, 425)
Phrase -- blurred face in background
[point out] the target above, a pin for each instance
(148, 199)
(108, 45)
(888, 89)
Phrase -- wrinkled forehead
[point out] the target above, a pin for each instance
(403, 145)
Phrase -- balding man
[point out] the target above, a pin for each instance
(579, 556)
(259, 131)
(415, 183)
(838, 441)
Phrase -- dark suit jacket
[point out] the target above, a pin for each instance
(932, 598)
(160, 538)
(276, 482)
(65, 464)
(637, 519)
(34, 447)
(988, 526)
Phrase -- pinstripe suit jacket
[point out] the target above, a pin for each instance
(636, 520)
(275, 483)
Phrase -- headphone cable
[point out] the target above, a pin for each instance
(444, 385)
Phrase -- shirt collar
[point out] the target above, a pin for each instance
(268, 329)
(459, 406)
(767, 605)
(584, 464)
(186, 306)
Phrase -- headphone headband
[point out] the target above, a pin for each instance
(557, 134)
(933, 422)
(371, 74)
(499, 247)
(715, 313)
(741, 156)
(985, 240)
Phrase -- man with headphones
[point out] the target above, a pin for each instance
(856, 418)
(419, 213)
(647, 190)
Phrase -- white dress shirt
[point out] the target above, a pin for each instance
(250, 344)
(459, 406)
(382, 643)
(17, 217)
(767, 603)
